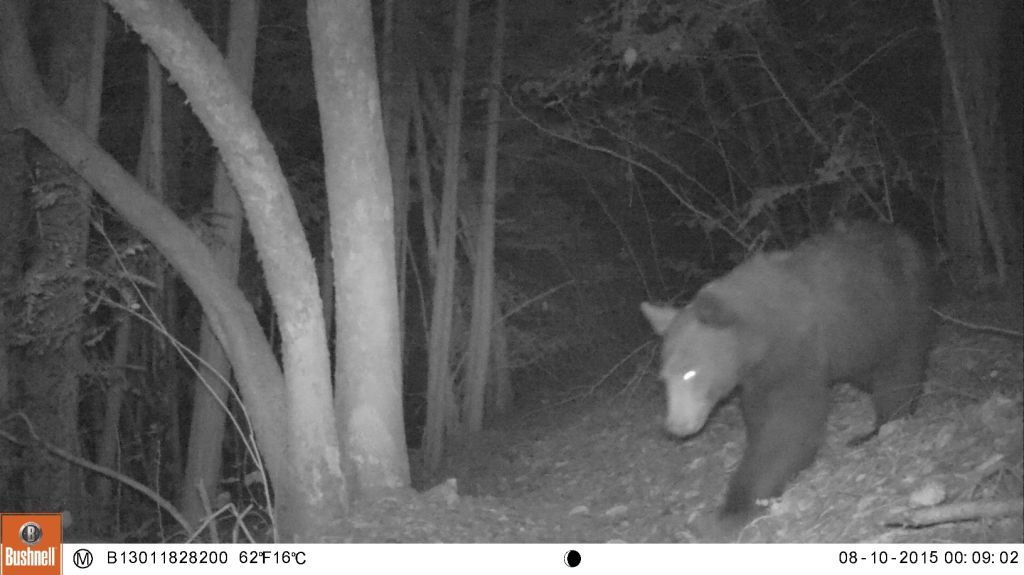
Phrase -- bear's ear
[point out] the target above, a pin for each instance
(710, 309)
(660, 317)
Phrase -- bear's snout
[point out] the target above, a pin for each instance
(682, 428)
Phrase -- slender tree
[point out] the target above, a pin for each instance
(482, 320)
(439, 384)
(398, 77)
(150, 172)
(974, 159)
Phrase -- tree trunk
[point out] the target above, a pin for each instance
(368, 373)
(53, 358)
(209, 408)
(480, 329)
(439, 383)
(426, 189)
(399, 82)
(501, 393)
(14, 210)
(974, 160)
(110, 438)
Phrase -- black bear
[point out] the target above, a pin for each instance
(849, 305)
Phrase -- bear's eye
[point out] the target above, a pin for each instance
(689, 375)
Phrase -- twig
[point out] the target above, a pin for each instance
(633, 162)
(792, 105)
(590, 391)
(537, 297)
(886, 46)
(979, 327)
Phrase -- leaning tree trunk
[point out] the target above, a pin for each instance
(314, 495)
(209, 406)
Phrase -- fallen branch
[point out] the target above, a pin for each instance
(963, 511)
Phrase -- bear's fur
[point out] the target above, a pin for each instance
(851, 305)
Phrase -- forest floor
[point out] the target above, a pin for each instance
(594, 466)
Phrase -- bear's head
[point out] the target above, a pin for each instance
(700, 358)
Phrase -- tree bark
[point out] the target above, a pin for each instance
(368, 373)
(14, 210)
(209, 406)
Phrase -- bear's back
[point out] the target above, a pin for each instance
(852, 292)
